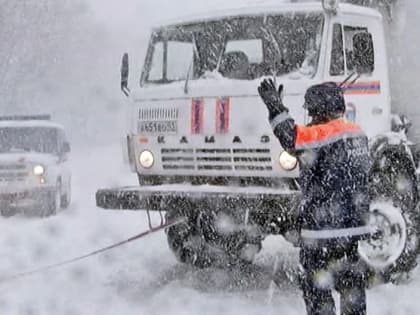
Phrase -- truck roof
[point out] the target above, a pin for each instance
(253, 8)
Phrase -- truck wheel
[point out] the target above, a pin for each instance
(186, 243)
(393, 250)
(235, 242)
(198, 242)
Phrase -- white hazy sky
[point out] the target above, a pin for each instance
(126, 12)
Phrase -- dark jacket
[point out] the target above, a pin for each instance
(334, 164)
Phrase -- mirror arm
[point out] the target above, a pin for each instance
(124, 75)
(125, 89)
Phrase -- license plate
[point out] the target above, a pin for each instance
(157, 127)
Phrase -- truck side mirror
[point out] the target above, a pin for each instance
(400, 123)
(66, 147)
(125, 71)
(363, 53)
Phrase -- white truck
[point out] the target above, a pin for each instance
(35, 176)
(202, 147)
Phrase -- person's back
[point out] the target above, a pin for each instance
(334, 162)
(334, 167)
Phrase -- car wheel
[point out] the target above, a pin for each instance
(66, 199)
(53, 203)
(7, 212)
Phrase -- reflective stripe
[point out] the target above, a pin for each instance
(330, 234)
(330, 132)
(279, 119)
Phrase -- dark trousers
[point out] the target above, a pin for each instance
(332, 266)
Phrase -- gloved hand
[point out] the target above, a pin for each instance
(272, 98)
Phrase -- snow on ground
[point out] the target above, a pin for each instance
(141, 277)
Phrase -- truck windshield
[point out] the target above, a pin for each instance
(17, 139)
(244, 48)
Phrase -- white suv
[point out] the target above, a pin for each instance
(34, 172)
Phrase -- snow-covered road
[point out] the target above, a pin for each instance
(141, 277)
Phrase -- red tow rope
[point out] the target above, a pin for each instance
(94, 253)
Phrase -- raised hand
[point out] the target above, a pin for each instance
(272, 97)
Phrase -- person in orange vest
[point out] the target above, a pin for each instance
(334, 163)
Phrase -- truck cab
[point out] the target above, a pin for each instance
(198, 87)
(34, 171)
(200, 142)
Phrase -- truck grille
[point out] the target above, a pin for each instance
(13, 173)
(158, 114)
(253, 159)
(12, 167)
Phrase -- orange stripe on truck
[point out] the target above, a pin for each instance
(362, 88)
(222, 115)
(197, 116)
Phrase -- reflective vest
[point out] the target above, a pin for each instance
(334, 166)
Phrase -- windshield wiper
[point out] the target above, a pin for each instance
(187, 80)
(222, 51)
(268, 33)
(349, 77)
(195, 54)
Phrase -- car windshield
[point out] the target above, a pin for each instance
(244, 48)
(34, 139)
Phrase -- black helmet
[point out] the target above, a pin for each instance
(325, 101)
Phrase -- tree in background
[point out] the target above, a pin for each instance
(55, 59)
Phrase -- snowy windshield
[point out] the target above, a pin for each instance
(244, 48)
(40, 140)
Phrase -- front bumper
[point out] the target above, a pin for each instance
(24, 198)
(266, 204)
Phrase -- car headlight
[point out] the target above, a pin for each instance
(146, 159)
(38, 170)
(288, 162)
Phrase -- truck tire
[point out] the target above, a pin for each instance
(196, 242)
(236, 243)
(185, 241)
(392, 253)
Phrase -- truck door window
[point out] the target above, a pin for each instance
(252, 49)
(180, 60)
(337, 52)
(241, 58)
(349, 32)
(156, 67)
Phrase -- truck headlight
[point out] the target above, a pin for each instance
(288, 162)
(146, 159)
(38, 170)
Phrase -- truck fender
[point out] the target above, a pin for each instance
(128, 154)
(393, 146)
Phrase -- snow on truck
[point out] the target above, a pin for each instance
(34, 170)
(202, 148)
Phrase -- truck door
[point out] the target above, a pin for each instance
(367, 96)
